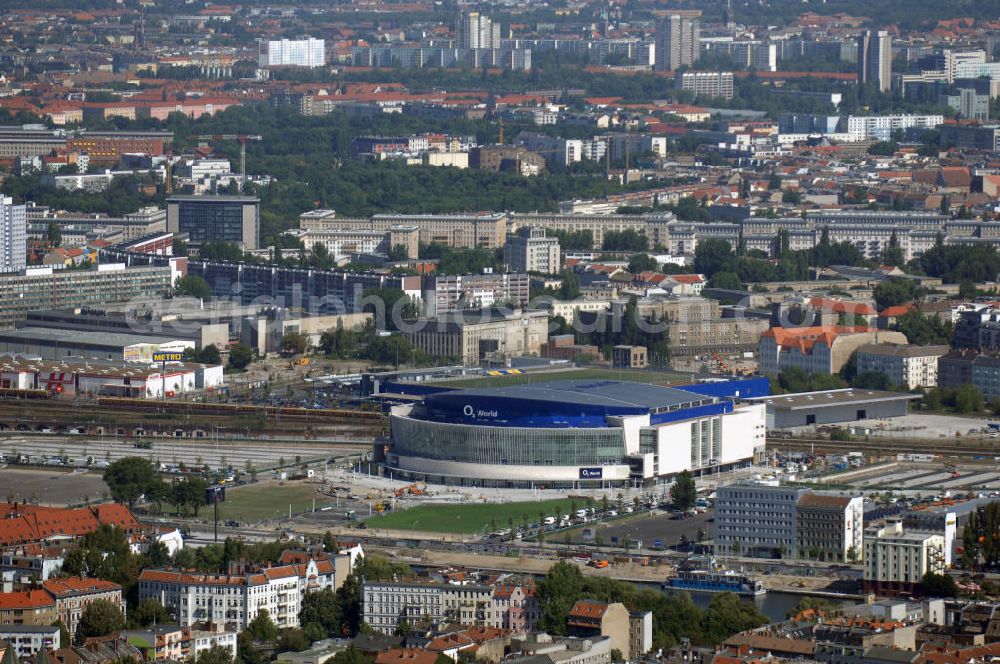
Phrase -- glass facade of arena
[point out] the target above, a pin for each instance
(507, 445)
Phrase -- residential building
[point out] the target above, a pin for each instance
(640, 633)
(756, 520)
(823, 349)
(629, 357)
(706, 83)
(473, 336)
(530, 250)
(979, 137)
(386, 605)
(27, 607)
(875, 59)
(442, 294)
(477, 31)
(829, 528)
(507, 158)
(541, 648)
(22, 524)
(678, 42)
(173, 643)
(306, 52)
(346, 242)
(908, 366)
(74, 594)
(234, 219)
(13, 235)
(591, 618)
(881, 127)
(234, 600)
(27, 640)
(978, 328)
(515, 607)
(968, 104)
(895, 560)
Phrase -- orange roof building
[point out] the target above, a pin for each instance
(820, 349)
(28, 524)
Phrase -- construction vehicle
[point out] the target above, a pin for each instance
(416, 489)
(242, 138)
(598, 564)
(300, 362)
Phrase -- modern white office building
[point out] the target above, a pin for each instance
(896, 559)
(306, 52)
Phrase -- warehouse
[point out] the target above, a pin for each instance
(56, 344)
(833, 407)
(571, 434)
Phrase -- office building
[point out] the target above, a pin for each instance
(678, 42)
(477, 31)
(978, 137)
(478, 335)
(875, 59)
(234, 219)
(531, 250)
(910, 367)
(968, 104)
(706, 83)
(13, 235)
(766, 520)
(572, 434)
(306, 52)
(756, 520)
(896, 559)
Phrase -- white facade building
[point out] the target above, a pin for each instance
(880, 127)
(896, 560)
(307, 52)
(911, 366)
(13, 235)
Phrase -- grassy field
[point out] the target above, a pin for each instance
(568, 374)
(468, 519)
(260, 501)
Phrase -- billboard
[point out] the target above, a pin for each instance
(591, 473)
(215, 494)
(167, 357)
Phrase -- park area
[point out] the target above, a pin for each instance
(475, 518)
(270, 500)
(505, 380)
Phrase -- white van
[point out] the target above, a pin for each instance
(581, 513)
(549, 520)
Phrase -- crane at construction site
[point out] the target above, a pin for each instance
(242, 138)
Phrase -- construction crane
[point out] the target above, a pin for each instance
(242, 138)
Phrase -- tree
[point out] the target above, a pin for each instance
(295, 343)
(100, 618)
(642, 263)
(53, 234)
(129, 478)
(215, 655)
(725, 281)
(712, 256)
(683, 492)
(353, 656)
(293, 640)
(938, 585)
(557, 593)
(192, 285)
(727, 614)
(968, 399)
(149, 612)
(262, 628)
(322, 608)
(240, 356)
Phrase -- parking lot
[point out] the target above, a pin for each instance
(214, 453)
(654, 529)
(933, 476)
(56, 487)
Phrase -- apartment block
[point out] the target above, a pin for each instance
(27, 640)
(74, 594)
(307, 52)
(909, 366)
(27, 607)
(678, 40)
(706, 83)
(821, 349)
(234, 600)
(446, 293)
(895, 559)
(531, 250)
(13, 235)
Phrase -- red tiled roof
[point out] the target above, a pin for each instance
(21, 524)
(76, 585)
(25, 599)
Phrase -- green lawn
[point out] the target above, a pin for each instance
(634, 376)
(469, 519)
(257, 502)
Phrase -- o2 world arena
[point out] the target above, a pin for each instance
(575, 433)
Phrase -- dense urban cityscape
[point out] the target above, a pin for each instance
(509, 332)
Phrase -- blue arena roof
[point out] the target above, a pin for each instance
(567, 403)
(595, 393)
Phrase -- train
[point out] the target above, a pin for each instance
(126, 403)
